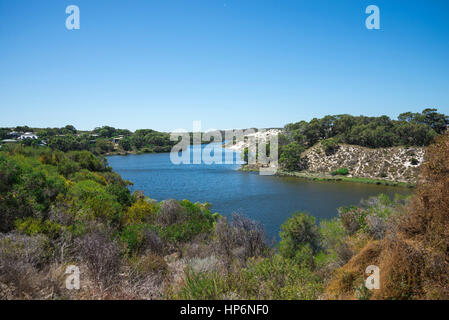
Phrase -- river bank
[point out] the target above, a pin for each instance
(328, 177)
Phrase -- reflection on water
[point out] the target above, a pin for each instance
(268, 199)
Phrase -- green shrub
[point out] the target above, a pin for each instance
(298, 231)
(278, 278)
(304, 256)
(203, 286)
(85, 174)
(133, 237)
(182, 232)
(89, 200)
(121, 193)
(87, 160)
(27, 188)
(340, 172)
(182, 221)
(140, 211)
(290, 158)
(332, 233)
(32, 226)
(330, 146)
(67, 167)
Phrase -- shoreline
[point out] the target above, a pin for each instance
(327, 177)
(302, 175)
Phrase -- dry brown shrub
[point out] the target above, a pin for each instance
(146, 265)
(400, 270)
(22, 259)
(350, 276)
(170, 212)
(200, 247)
(101, 255)
(414, 256)
(240, 239)
(145, 276)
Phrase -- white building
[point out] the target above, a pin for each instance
(27, 135)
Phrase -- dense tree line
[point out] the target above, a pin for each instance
(98, 141)
(147, 140)
(410, 129)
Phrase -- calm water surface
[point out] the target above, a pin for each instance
(268, 199)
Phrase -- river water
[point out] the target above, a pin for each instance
(268, 199)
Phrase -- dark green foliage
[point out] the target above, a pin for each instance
(88, 161)
(416, 129)
(411, 129)
(330, 146)
(290, 158)
(99, 141)
(67, 143)
(34, 179)
(150, 141)
(106, 132)
(245, 155)
(428, 117)
(103, 146)
(4, 133)
(125, 144)
(121, 193)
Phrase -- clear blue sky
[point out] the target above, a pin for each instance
(229, 63)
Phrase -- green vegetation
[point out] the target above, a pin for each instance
(102, 140)
(290, 158)
(340, 172)
(330, 146)
(329, 177)
(72, 200)
(410, 129)
(61, 208)
(410, 246)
